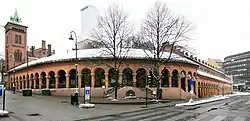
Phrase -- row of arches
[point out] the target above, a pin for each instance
(127, 77)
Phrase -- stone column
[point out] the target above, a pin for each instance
(92, 80)
(170, 80)
(79, 82)
(26, 83)
(179, 81)
(196, 87)
(134, 77)
(106, 79)
(67, 80)
(57, 81)
(186, 83)
(34, 82)
(47, 82)
(40, 82)
(30, 80)
(120, 78)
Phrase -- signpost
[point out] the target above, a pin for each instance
(87, 94)
(191, 81)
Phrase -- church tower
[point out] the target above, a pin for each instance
(15, 42)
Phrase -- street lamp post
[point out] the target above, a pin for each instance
(76, 63)
(14, 76)
(27, 59)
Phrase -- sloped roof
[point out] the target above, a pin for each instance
(102, 53)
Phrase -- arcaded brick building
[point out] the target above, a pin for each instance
(58, 72)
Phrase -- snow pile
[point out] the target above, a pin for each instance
(238, 94)
(4, 113)
(191, 103)
(87, 105)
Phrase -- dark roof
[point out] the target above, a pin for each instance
(14, 24)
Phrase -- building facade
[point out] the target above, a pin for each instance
(238, 65)
(58, 72)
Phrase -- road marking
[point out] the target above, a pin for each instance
(239, 119)
(218, 118)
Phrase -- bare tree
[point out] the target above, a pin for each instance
(163, 31)
(112, 32)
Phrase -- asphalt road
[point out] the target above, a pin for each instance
(42, 108)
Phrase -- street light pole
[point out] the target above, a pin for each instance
(76, 64)
(27, 59)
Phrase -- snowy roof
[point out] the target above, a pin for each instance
(101, 53)
(213, 76)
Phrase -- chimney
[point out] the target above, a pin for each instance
(43, 44)
(49, 49)
(32, 50)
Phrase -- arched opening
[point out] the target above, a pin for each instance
(183, 80)
(28, 81)
(141, 78)
(199, 89)
(130, 93)
(72, 78)
(127, 77)
(112, 77)
(99, 77)
(24, 82)
(165, 78)
(52, 79)
(195, 77)
(43, 76)
(86, 77)
(174, 78)
(37, 80)
(20, 82)
(189, 79)
(62, 79)
(32, 81)
(153, 82)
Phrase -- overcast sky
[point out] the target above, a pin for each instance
(221, 26)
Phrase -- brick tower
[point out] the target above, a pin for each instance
(15, 42)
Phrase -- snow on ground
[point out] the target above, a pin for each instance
(211, 99)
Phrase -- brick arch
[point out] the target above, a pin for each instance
(174, 79)
(52, 79)
(86, 77)
(127, 76)
(165, 77)
(99, 76)
(62, 78)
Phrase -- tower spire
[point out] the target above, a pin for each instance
(15, 19)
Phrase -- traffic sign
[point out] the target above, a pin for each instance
(1, 90)
(87, 94)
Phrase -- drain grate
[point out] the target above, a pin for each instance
(33, 114)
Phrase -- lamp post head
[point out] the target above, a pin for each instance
(71, 38)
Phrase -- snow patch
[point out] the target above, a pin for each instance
(87, 105)
(192, 103)
(4, 113)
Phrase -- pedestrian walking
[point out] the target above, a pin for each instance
(13, 88)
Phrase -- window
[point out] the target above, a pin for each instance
(16, 38)
(20, 39)
(18, 55)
